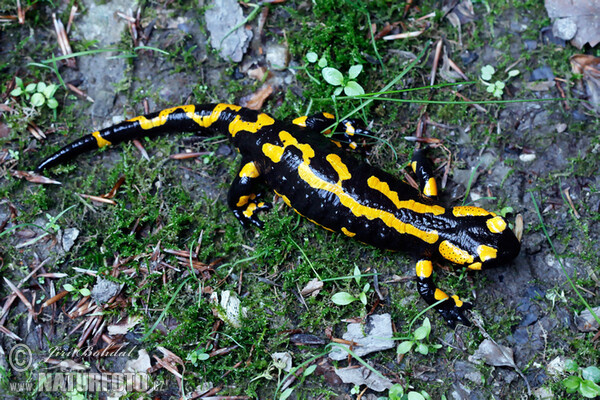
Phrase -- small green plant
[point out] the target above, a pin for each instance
(38, 94)
(72, 289)
(585, 382)
(345, 298)
(334, 77)
(397, 393)
(497, 87)
(197, 355)
(418, 338)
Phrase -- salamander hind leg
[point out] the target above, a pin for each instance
(242, 198)
(345, 133)
(451, 308)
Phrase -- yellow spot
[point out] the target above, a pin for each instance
(338, 144)
(250, 210)
(100, 141)
(249, 171)
(469, 211)
(300, 121)
(341, 168)
(457, 301)
(430, 188)
(424, 268)
(496, 224)
(475, 266)
(413, 165)
(454, 253)
(486, 252)
(349, 129)
(347, 232)
(440, 295)
(353, 145)
(238, 125)
(328, 115)
(243, 200)
(384, 188)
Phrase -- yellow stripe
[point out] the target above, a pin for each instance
(347, 232)
(384, 188)
(100, 141)
(238, 125)
(328, 115)
(457, 301)
(315, 181)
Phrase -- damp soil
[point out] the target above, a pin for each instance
(528, 156)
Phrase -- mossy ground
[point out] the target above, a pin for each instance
(177, 204)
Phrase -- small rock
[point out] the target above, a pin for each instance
(556, 367)
(530, 44)
(376, 335)
(585, 321)
(561, 127)
(564, 28)
(68, 238)
(527, 157)
(277, 56)
(543, 73)
(364, 376)
(221, 17)
(543, 393)
(104, 290)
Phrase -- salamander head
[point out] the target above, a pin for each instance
(481, 239)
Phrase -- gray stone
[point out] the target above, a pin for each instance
(564, 28)
(221, 18)
(364, 376)
(376, 335)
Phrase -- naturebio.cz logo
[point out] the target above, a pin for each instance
(20, 359)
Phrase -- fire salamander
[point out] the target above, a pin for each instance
(321, 181)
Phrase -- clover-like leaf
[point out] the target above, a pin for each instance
(415, 396)
(52, 103)
(591, 373)
(16, 92)
(49, 90)
(332, 76)
(405, 347)
(356, 274)
(322, 62)
(85, 292)
(37, 100)
(422, 348)
(343, 298)
(352, 88)
(312, 57)
(355, 70)
(513, 72)
(68, 287)
(487, 72)
(589, 389)
(30, 88)
(337, 91)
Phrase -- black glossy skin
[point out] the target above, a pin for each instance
(319, 179)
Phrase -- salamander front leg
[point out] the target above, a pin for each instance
(242, 199)
(422, 168)
(452, 308)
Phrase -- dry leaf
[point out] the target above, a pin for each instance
(494, 354)
(589, 67)
(256, 100)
